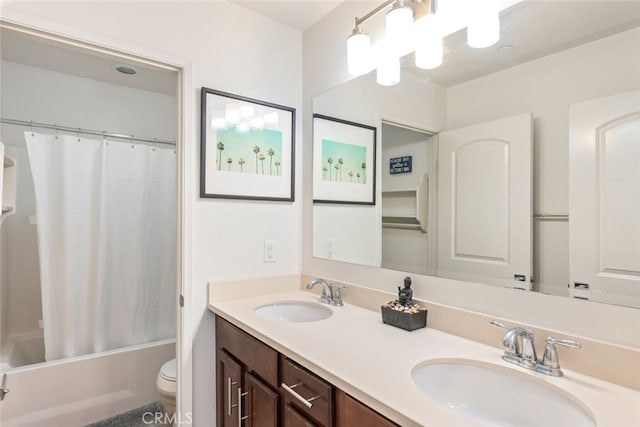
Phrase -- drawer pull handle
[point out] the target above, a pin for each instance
(305, 402)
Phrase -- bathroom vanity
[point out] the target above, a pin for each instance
(258, 386)
(326, 366)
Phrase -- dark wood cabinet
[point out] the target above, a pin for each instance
(229, 374)
(309, 394)
(351, 412)
(258, 387)
(291, 417)
(246, 372)
(262, 403)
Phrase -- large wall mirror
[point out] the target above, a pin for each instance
(515, 165)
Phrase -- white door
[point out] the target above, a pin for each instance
(604, 199)
(484, 202)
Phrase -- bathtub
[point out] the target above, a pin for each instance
(22, 350)
(85, 389)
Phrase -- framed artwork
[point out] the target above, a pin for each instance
(247, 148)
(344, 161)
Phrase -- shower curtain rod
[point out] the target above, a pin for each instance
(85, 131)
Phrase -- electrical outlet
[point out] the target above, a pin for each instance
(328, 244)
(269, 251)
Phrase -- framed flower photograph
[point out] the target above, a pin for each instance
(247, 148)
(344, 161)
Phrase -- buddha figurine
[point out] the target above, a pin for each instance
(405, 295)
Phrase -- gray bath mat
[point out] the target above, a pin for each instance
(145, 416)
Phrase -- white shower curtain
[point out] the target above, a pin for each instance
(106, 214)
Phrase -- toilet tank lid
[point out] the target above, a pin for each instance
(168, 370)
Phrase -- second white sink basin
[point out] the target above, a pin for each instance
(495, 396)
(294, 311)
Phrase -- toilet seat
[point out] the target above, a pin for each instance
(166, 381)
(168, 371)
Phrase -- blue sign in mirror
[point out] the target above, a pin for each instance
(402, 164)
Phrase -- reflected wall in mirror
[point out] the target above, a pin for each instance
(589, 52)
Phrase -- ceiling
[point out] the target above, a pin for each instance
(298, 14)
(533, 29)
(66, 59)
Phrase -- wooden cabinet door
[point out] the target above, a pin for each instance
(350, 412)
(229, 375)
(261, 403)
(291, 417)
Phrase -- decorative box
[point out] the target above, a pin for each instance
(407, 320)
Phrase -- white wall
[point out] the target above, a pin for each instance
(39, 95)
(325, 68)
(355, 230)
(546, 87)
(229, 48)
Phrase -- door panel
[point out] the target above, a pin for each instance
(229, 374)
(604, 200)
(484, 202)
(293, 418)
(261, 403)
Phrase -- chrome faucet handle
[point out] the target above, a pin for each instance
(326, 296)
(3, 389)
(498, 324)
(327, 293)
(509, 341)
(336, 294)
(529, 356)
(550, 363)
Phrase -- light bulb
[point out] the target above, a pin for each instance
(483, 29)
(247, 111)
(358, 53)
(399, 24)
(242, 128)
(429, 49)
(218, 123)
(257, 123)
(232, 113)
(271, 118)
(388, 72)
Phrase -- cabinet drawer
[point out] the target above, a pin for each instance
(291, 417)
(308, 387)
(350, 412)
(256, 356)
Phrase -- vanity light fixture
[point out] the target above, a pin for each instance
(414, 25)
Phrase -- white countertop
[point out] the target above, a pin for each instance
(372, 361)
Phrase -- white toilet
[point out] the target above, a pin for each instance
(166, 384)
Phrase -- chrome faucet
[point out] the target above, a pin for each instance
(519, 348)
(330, 292)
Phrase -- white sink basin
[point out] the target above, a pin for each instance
(294, 311)
(493, 395)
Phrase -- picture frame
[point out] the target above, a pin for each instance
(247, 148)
(344, 161)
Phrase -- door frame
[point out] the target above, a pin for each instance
(125, 51)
